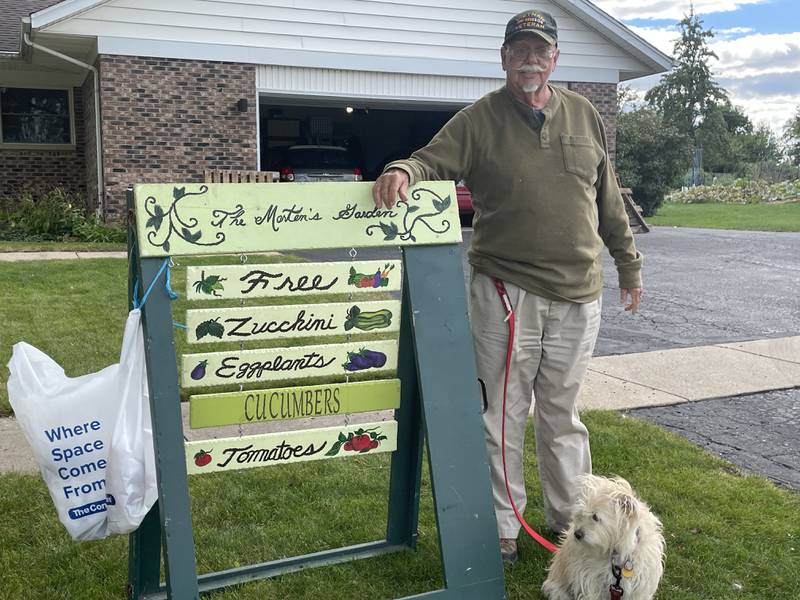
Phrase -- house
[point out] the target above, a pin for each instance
(99, 94)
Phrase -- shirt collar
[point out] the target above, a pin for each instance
(549, 110)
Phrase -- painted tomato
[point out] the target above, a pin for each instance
(202, 458)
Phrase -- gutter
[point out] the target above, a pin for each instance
(98, 130)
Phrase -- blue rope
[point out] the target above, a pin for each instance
(167, 286)
(172, 295)
(139, 304)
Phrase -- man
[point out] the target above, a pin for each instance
(546, 201)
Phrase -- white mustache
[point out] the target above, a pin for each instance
(531, 69)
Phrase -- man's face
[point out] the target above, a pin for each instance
(528, 61)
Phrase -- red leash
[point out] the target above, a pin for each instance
(501, 289)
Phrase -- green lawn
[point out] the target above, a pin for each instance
(749, 217)
(723, 529)
(12, 246)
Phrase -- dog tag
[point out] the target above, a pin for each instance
(627, 569)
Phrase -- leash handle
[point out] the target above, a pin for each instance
(501, 290)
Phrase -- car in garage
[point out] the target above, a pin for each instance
(318, 163)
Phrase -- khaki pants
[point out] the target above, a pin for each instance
(552, 347)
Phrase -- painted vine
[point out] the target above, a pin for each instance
(392, 231)
(186, 230)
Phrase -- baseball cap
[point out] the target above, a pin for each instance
(533, 21)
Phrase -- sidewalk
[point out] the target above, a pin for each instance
(668, 377)
(630, 381)
(21, 256)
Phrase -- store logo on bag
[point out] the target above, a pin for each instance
(87, 510)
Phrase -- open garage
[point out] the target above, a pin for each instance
(373, 133)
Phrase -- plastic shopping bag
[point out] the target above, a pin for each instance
(131, 476)
(71, 424)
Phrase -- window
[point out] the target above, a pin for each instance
(35, 116)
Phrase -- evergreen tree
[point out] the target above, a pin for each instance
(688, 94)
(792, 138)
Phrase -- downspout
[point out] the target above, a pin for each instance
(98, 132)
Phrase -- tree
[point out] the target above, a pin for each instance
(688, 94)
(759, 146)
(731, 144)
(713, 137)
(791, 137)
(652, 156)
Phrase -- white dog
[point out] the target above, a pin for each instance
(613, 543)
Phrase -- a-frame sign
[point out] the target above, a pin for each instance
(435, 383)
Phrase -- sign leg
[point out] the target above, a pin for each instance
(451, 410)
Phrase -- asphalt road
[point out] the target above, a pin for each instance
(705, 286)
(702, 286)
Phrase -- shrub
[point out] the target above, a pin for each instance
(651, 156)
(740, 191)
(91, 229)
(54, 215)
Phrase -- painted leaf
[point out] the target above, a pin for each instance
(441, 205)
(334, 449)
(211, 327)
(390, 230)
(154, 222)
(178, 193)
(413, 209)
(157, 218)
(165, 245)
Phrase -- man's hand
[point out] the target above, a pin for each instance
(636, 298)
(388, 186)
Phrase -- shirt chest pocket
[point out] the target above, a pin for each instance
(581, 156)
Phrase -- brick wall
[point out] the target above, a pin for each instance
(604, 98)
(43, 170)
(169, 120)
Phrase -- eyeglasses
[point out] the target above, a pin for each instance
(519, 54)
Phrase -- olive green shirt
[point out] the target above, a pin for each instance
(545, 196)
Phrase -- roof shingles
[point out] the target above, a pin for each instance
(11, 13)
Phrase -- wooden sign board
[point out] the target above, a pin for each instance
(252, 366)
(181, 219)
(246, 452)
(291, 321)
(297, 402)
(292, 279)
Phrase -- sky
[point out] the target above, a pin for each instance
(757, 42)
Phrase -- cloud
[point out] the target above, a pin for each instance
(762, 75)
(757, 54)
(732, 33)
(761, 72)
(673, 10)
(663, 38)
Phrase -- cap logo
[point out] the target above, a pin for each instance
(531, 20)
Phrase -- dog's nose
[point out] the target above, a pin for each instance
(579, 534)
